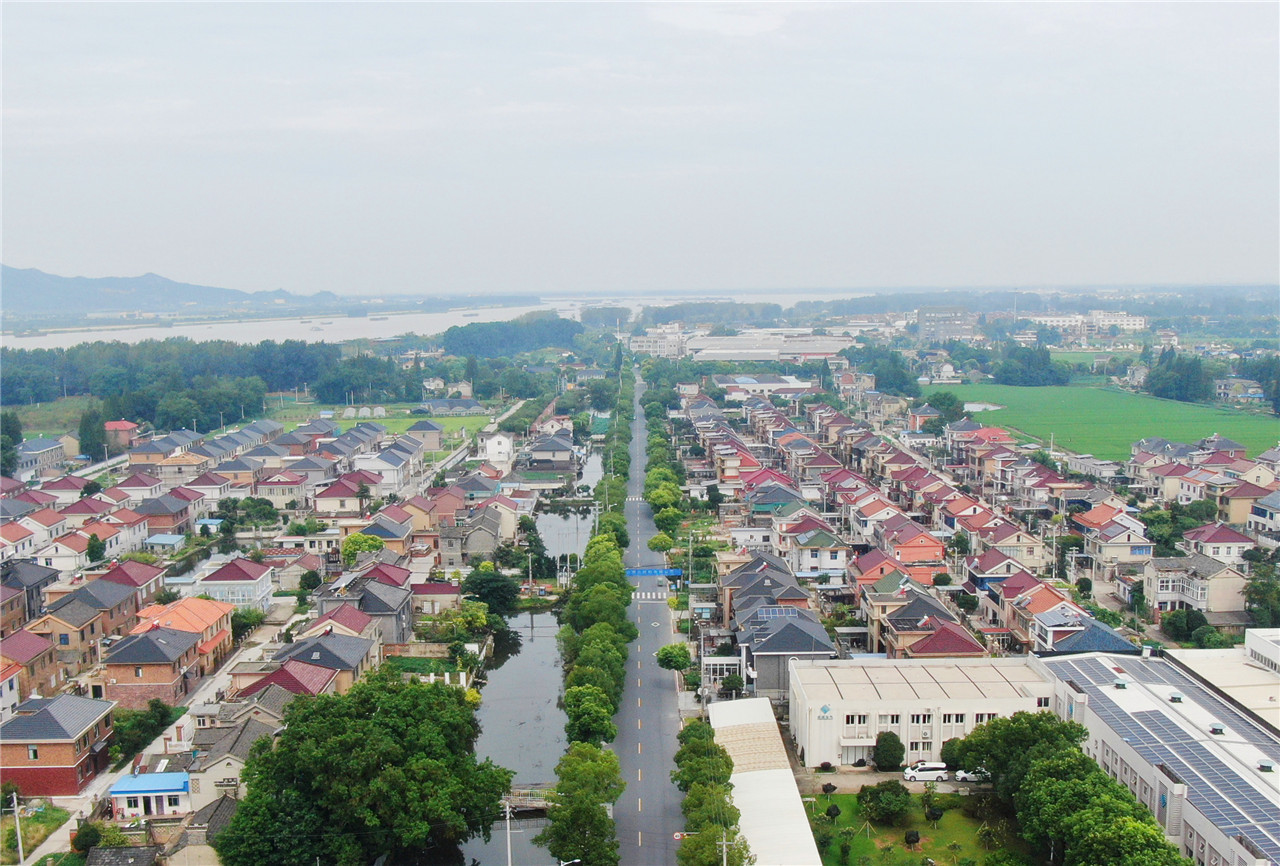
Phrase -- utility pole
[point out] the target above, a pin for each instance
(17, 826)
(506, 808)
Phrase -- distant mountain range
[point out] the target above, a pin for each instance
(30, 292)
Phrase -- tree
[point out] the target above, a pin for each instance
(387, 768)
(310, 580)
(886, 803)
(950, 754)
(668, 520)
(579, 827)
(889, 751)
(714, 497)
(1004, 746)
(709, 764)
(1180, 624)
(356, 543)
(93, 434)
(714, 848)
(166, 596)
(708, 806)
(86, 837)
(674, 657)
(589, 710)
(96, 548)
(732, 684)
(245, 621)
(661, 543)
(500, 592)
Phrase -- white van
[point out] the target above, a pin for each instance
(925, 771)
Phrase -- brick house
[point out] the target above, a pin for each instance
(146, 579)
(121, 434)
(38, 657)
(158, 663)
(13, 609)
(53, 747)
(167, 514)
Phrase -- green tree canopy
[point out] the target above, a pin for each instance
(674, 657)
(356, 543)
(387, 768)
(495, 589)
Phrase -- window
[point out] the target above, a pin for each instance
(922, 718)
(1042, 702)
(174, 801)
(137, 671)
(813, 554)
(835, 554)
(926, 745)
(953, 718)
(33, 753)
(64, 640)
(131, 802)
(855, 719)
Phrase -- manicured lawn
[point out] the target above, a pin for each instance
(398, 419)
(35, 829)
(1105, 422)
(871, 840)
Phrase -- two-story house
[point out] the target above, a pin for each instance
(53, 747)
(241, 582)
(157, 663)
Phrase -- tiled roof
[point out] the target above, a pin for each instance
(1216, 533)
(186, 614)
(65, 717)
(133, 573)
(153, 646)
(948, 638)
(296, 676)
(346, 615)
(22, 646)
(239, 569)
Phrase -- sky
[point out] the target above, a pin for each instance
(567, 148)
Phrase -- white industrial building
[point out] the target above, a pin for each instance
(1205, 766)
(773, 820)
(838, 706)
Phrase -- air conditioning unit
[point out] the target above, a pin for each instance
(1217, 730)
(1175, 698)
(111, 682)
(1267, 766)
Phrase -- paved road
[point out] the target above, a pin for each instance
(648, 719)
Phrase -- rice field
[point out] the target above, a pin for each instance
(1104, 422)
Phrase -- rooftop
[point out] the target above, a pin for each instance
(914, 680)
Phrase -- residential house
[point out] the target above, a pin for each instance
(140, 486)
(241, 582)
(31, 578)
(1200, 582)
(53, 747)
(433, 597)
(1264, 515)
(46, 525)
(478, 535)
(346, 619)
(121, 434)
(769, 637)
(156, 663)
(210, 620)
(390, 606)
(429, 433)
(38, 458)
(87, 510)
(13, 609)
(284, 489)
(213, 486)
(66, 490)
(294, 676)
(151, 795)
(167, 514)
(10, 693)
(342, 498)
(245, 472)
(37, 657)
(146, 579)
(180, 468)
(221, 754)
(932, 636)
(1236, 502)
(1219, 541)
(350, 657)
(16, 541)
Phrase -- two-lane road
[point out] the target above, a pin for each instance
(648, 719)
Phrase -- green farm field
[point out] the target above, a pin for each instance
(1104, 422)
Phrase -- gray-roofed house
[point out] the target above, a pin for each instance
(53, 747)
(770, 637)
(349, 656)
(36, 457)
(221, 754)
(159, 663)
(126, 855)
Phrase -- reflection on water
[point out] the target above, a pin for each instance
(521, 727)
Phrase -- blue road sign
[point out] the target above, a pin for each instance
(655, 572)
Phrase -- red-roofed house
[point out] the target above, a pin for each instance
(142, 486)
(937, 638)
(85, 510)
(145, 578)
(241, 582)
(1235, 502)
(66, 489)
(1219, 541)
(432, 598)
(16, 542)
(345, 619)
(38, 657)
(121, 434)
(341, 499)
(298, 677)
(284, 487)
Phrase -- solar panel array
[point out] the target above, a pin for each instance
(1216, 790)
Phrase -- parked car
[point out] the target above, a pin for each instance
(925, 771)
(978, 775)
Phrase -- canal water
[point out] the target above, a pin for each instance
(521, 728)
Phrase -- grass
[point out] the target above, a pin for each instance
(66, 858)
(55, 418)
(871, 840)
(1104, 422)
(418, 665)
(35, 829)
(397, 421)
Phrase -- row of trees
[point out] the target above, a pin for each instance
(1067, 807)
(593, 645)
(702, 772)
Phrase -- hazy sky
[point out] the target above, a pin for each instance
(643, 147)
